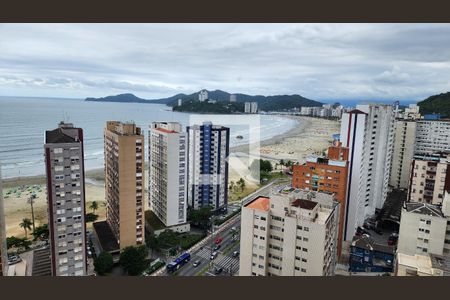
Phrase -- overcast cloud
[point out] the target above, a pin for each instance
(318, 61)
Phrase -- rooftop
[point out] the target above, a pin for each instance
(260, 203)
(357, 111)
(440, 262)
(424, 209)
(42, 265)
(305, 204)
(57, 136)
(106, 237)
(367, 243)
(165, 130)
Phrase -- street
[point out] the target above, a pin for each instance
(202, 251)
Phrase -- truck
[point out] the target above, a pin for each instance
(178, 262)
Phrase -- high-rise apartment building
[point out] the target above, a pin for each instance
(251, 107)
(405, 134)
(292, 233)
(425, 228)
(207, 179)
(430, 178)
(3, 255)
(432, 136)
(203, 95)
(368, 132)
(124, 182)
(233, 98)
(328, 175)
(64, 160)
(167, 172)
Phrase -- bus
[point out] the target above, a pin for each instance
(178, 262)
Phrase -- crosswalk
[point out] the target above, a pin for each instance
(228, 263)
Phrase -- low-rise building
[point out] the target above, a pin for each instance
(292, 233)
(424, 228)
(422, 265)
(368, 256)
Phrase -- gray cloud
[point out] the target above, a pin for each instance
(319, 61)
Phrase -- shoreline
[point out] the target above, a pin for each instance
(303, 123)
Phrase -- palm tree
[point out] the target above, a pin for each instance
(26, 225)
(241, 182)
(231, 185)
(94, 206)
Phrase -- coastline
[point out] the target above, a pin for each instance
(309, 135)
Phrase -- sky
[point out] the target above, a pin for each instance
(317, 61)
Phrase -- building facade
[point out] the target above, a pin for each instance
(425, 228)
(368, 256)
(368, 132)
(124, 182)
(432, 136)
(203, 95)
(403, 152)
(207, 177)
(233, 98)
(430, 178)
(167, 172)
(328, 175)
(292, 233)
(64, 160)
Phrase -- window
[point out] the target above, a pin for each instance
(58, 150)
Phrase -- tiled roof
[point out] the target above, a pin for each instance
(57, 136)
(260, 203)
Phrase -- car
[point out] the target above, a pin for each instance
(213, 255)
(218, 270)
(218, 241)
(360, 231)
(378, 231)
(235, 253)
(216, 247)
(196, 263)
(14, 259)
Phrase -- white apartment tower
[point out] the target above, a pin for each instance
(405, 134)
(167, 172)
(368, 132)
(432, 136)
(207, 179)
(64, 160)
(203, 95)
(292, 233)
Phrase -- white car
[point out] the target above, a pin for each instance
(213, 255)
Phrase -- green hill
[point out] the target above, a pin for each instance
(437, 104)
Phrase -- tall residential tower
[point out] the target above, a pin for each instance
(64, 160)
(124, 182)
(208, 150)
(167, 172)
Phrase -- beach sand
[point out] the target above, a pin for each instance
(311, 135)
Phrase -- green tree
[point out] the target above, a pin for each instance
(200, 217)
(41, 233)
(282, 162)
(18, 243)
(133, 259)
(103, 263)
(151, 241)
(241, 183)
(231, 185)
(94, 206)
(26, 225)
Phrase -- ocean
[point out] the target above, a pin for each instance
(23, 122)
